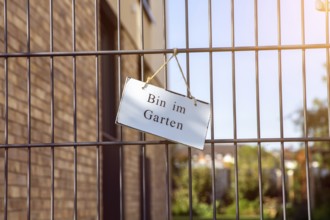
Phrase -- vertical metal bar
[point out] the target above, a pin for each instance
(143, 137)
(234, 106)
(167, 182)
(167, 152)
(144, 196)
(190, 184)
(212, 112)
(188, 80)
(97, 98)
(5, 211)
(28, 63)
(281, 107)
(74, 108)
(5, 184)
(142, 38)
(302, 8)
(327, 57)
(261, 211)
(121, 147)
(52, 153)
(75, 217)
(165, 42)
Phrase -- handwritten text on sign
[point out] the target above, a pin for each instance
(163, 113)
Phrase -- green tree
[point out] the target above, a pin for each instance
(248, 181)
(202, 185)
(248, 172)
(317, 126)
(201, 192)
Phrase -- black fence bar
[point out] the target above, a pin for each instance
(52, 108)
(214, 207)
(188, 81)
(234, 107)
(167, 182)
(305, 133)
(74, 89)
(120, 129)
(327, 41)
(5, 202)
(28, 66)
(142, 135)
(97, 122)
(279, 34)
(256, 36)
(167, 150)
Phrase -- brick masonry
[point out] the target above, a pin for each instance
(64, 132)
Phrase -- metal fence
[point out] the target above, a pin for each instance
(210, 50)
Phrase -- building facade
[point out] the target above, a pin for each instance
(48, 27)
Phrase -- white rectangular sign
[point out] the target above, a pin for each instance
(163, 113)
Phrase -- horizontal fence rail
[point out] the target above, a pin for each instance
(161, 142)
(165, 51)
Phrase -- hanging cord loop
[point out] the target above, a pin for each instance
(175, 52)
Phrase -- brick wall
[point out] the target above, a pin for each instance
(40, 111)
(64, 129)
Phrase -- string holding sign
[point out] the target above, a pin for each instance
(175, 52)
(164, 113)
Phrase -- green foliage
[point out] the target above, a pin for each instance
(204, 210)
(180, 204)
(248, 172)
(202, 186)
(246, 208)
(201, 192)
